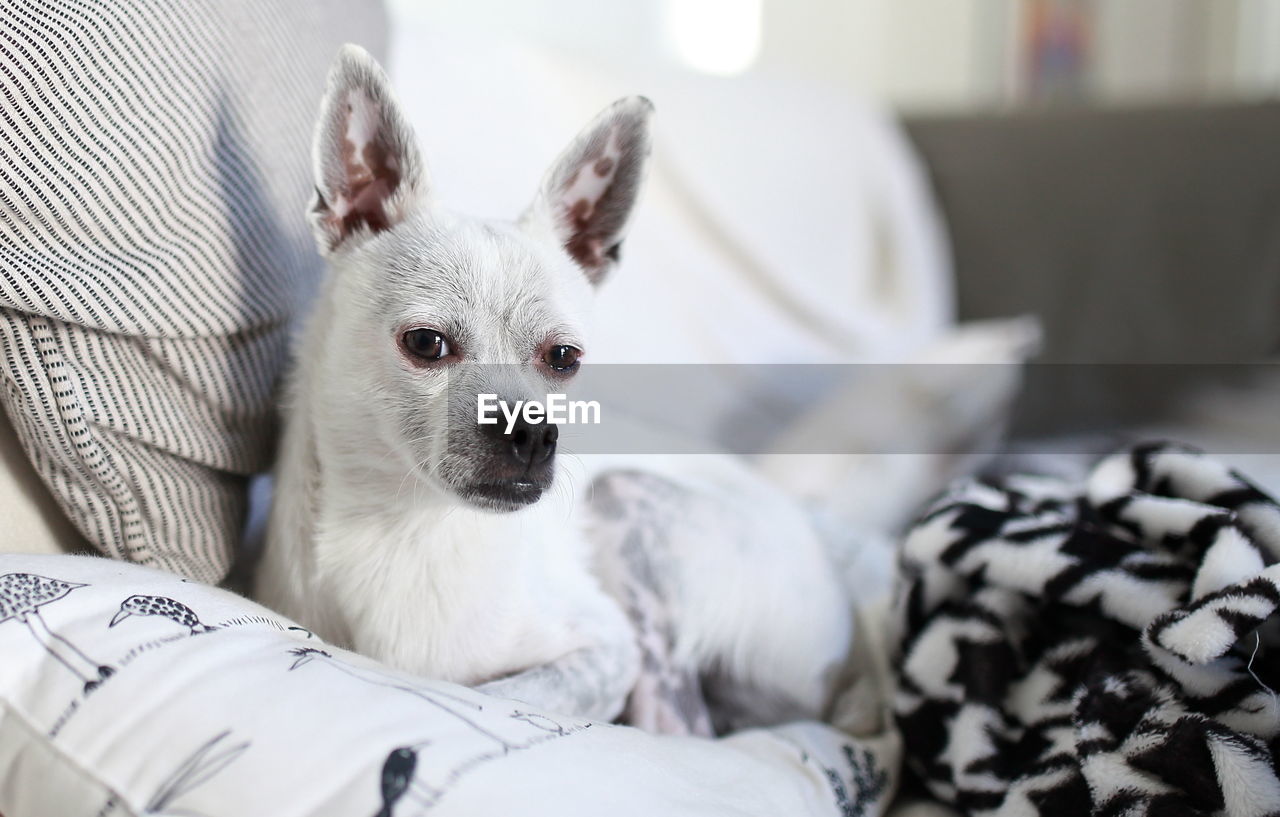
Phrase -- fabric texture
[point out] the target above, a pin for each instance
(1102, 649)
(127, 691)
(154, 172)
(29, 515)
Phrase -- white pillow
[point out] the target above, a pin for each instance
(898, 432)
(782, 221)
(129, 691)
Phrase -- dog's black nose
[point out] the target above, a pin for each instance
(529, 444)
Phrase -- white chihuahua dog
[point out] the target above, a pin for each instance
(406, 531)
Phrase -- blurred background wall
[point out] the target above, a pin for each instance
(920, 55)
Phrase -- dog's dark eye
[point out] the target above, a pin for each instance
(427, 344)
(562, 358)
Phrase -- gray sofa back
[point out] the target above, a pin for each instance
(1137, 235)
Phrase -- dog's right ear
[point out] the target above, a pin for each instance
(368, 172)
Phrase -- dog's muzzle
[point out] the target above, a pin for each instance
(521, 465)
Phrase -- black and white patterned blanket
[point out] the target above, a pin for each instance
(1105, 649)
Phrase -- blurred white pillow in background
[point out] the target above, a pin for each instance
(783, 223)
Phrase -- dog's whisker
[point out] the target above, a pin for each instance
(411, 472)
(396, 449)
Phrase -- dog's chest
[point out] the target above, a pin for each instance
(466, 598)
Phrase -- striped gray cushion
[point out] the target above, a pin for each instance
(154, 170)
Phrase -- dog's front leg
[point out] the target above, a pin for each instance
(591, 682)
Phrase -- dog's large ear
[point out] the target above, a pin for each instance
(368, 172)
(588, 194)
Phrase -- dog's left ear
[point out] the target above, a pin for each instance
(588, 194)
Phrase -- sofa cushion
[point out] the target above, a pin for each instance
(125, 690)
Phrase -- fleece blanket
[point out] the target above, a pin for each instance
(1105, 649)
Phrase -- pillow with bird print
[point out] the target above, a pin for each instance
(128, 691)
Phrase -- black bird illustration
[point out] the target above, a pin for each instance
(304, 655)
(400, 779)
(449, 704)
(397, 780)
(204, 763)
(21, 597)
(541, 722)
(397, 774)
(175, 611)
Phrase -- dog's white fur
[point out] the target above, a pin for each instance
(374, 543)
